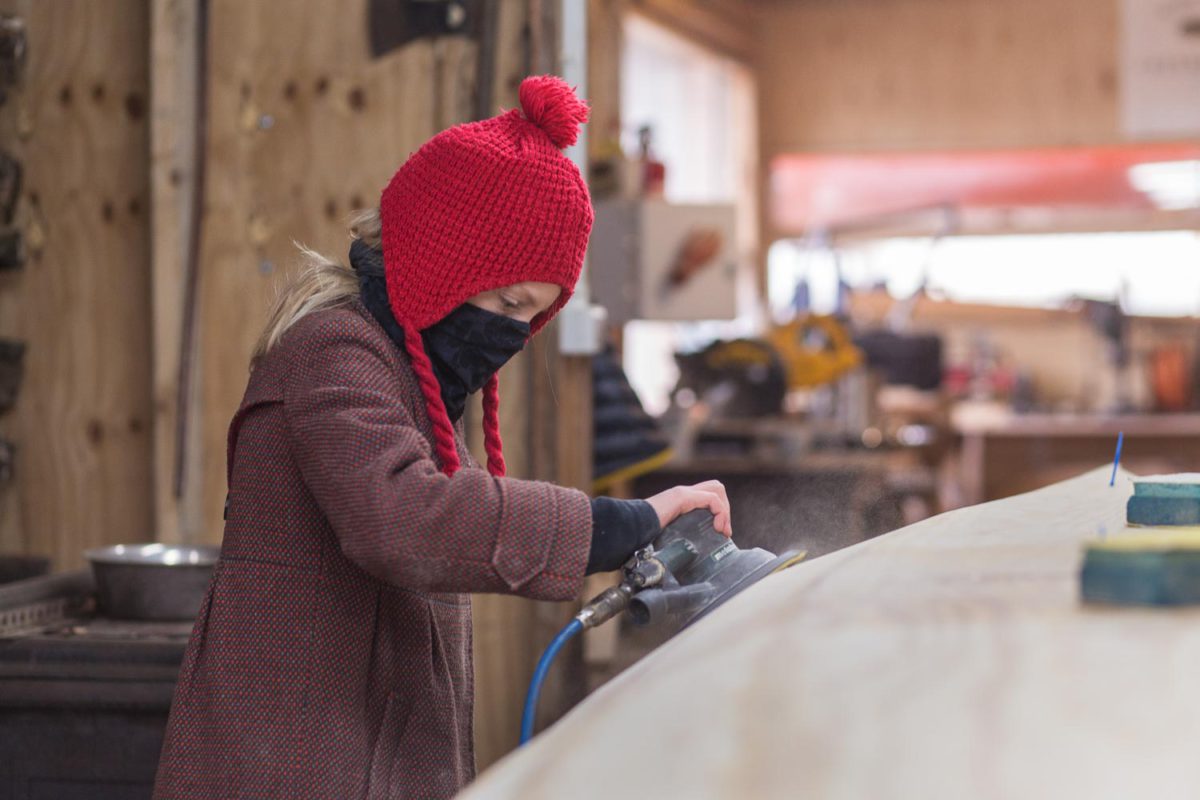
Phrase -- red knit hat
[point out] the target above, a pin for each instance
(479, 207)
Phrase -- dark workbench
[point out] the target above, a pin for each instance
(83, 702)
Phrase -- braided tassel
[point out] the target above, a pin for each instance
(491, 427)
(443, 431)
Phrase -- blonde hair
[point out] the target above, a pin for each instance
(321, 283)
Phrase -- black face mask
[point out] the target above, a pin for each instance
(466, 347)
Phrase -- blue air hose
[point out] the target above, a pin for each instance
(528, 718)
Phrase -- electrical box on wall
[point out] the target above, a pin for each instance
(650, 259)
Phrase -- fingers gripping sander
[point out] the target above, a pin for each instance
(687, 571)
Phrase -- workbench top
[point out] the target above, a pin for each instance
(949, 659)
(1008, 424)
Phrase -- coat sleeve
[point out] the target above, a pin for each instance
(373, 474)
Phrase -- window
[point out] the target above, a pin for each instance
(701, 108)
(1152, 273)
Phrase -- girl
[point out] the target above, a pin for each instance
(332, 655)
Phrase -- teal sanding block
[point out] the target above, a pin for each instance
(1183, 484)
(1169, 500)
(1168, 511)
(1149, 568)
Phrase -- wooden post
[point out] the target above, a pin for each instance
(174, 42)
(505, 640)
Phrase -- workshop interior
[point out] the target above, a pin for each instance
(918, 281)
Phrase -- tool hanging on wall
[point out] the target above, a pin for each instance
(8, 460)
(391, 24)
(12, 53)
(12, 250)
(12, 247)
(11, 174)
(698, 251)
(12, 359)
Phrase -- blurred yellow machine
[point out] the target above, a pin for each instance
(815, 350)
(752, 376)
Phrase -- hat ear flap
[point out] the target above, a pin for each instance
(443, 430)
(491, 427)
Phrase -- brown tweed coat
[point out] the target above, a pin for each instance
(332, 654)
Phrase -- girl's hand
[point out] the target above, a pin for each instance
(682, 499)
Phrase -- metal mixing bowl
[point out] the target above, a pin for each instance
(152, 581)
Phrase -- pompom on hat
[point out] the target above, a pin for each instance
(479, 207)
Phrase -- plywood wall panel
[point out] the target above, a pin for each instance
(925, 74)
(79, 125)
(299, 138)
(303, 127)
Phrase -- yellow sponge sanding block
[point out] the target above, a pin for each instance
(1160, 567)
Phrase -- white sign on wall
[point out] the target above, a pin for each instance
(1160, 68)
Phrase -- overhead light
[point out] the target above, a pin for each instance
(1171, 185)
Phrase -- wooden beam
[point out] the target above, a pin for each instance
(727, 26)
(605, 36)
